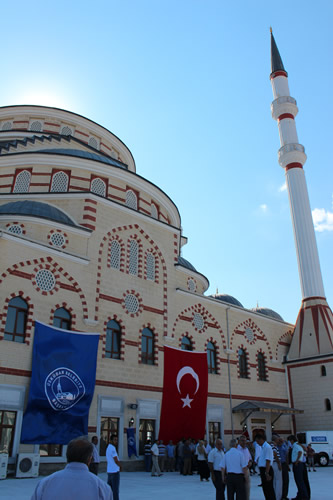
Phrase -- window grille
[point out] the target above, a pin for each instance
(153, 211)
(66, 131)
(45, 280)
(57, 240)
(98, 186)
(22, 182)
(115, 254)
(59, 183)
(15, 229)
(249, 334)
(131, 303)
(93, 143)
(198, 321)
(7, 126)
(150, 263)
(131, 200)
(133, 258)
(191, 284)
(36, 126)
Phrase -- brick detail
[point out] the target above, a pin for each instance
(258, 334)
(89, 208)
(65, 235)
(190, 337)
(69, 309)
(284, 341)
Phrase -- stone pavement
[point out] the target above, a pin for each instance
(140, 485)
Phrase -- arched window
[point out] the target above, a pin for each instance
(98, 186)
(211, 358)
(113, 338)
(323, 370)
(153, 211)
(62, 319)
(328, 406)
(22, 182)
(131, 199)
(16, 321)
(242, 362)
(36, 126)
(133, 258)
(59, 183)
(150, 266)
(115, 254)
(147, 347)
(261, 367)
(186, 344)
(65, 130)
(93, 142)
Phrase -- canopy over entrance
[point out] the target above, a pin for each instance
(249, 407)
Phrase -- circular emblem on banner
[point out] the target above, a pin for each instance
(63, 388)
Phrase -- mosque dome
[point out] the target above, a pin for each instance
(185, 263)
(36, 209)
(223, 297)
(268, 312)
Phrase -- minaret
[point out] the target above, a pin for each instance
(313, 333)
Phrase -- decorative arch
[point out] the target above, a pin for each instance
(217, 353)
(188, 336)
(117, 239)
(284, 343)
(48, 263)
(247, 361)
(30, 322)
(188, 314)
(156, 264)
(135, 238)
(244, 328)
(164, 275)
(260, 352)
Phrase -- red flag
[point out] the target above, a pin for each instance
(185, 390)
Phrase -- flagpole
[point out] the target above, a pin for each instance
(229, 377)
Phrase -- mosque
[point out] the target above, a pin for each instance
(87, 244)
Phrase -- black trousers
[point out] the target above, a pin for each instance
(219, 485)
(236, 484)
(285, 480)
(301, 481)
(267, 486)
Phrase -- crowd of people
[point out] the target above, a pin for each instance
(229, 470)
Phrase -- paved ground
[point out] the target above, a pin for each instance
(140, 485)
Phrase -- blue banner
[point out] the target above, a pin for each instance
(131, 445)
(62, 385)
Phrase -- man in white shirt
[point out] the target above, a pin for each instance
(265, 466)
(75, 481)
(216, 463)
(113, 466)
(297, 454)
(155, 471)
(236, 467)
(242, 447)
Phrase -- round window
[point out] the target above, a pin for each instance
(131, 303)
(45, 280)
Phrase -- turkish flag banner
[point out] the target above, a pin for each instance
(185, 391)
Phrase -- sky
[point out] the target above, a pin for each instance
(185, 85)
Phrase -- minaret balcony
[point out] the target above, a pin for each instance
(284, 105)
(291, 153)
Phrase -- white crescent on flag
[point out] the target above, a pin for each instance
(184, 371)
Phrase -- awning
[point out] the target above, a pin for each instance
(250, 407)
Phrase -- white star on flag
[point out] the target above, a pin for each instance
(187, 401)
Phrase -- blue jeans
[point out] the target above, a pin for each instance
(113, 481)
(148, 463)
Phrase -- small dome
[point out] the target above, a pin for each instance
(267, 312)
(36, 209)
(185, 263)
(223, 297)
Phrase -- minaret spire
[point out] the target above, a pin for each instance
(314, 327)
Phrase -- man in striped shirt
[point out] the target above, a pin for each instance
(277, 468)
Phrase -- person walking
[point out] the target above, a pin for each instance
(243, 448)
(236, 466)
(94, 464)
(216, 463)
(161, 455)
(265, 462)
(75, 480)
(310, 453)
(284, 457)
(155, 471)
(277, 468)
(113, 466)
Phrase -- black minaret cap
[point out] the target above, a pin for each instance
(276, 61)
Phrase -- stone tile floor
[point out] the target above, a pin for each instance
(173, 486)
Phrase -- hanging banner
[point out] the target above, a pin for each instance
(131, 445)
(185, 391)
(62, 385)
